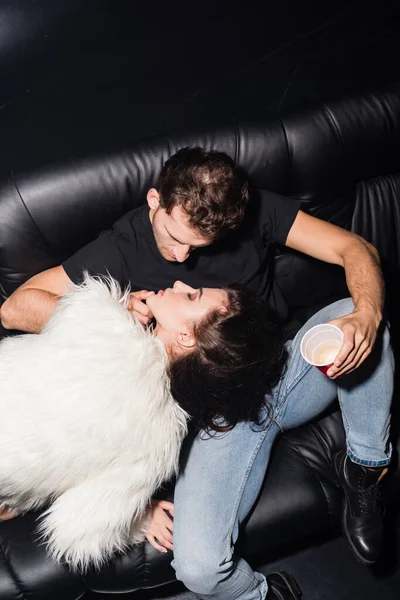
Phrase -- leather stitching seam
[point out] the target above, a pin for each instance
(28, 212)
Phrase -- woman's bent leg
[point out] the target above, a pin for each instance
(218, 484)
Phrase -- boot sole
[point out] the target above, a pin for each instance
(291, 584)
(345, 530)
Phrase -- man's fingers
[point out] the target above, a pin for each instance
(363, 351)
(360, 361)
(143, 319)
(346, 354)
(359, 339)
(137, 298)
(346, 348)
(141, 310)
(348, 360)
(142, 295)
(137, 304)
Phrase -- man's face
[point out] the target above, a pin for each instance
(174, 238)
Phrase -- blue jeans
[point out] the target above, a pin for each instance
(221, 476)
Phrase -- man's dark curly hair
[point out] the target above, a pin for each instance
(208, 186)
(239, 357)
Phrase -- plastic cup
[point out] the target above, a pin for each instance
(320, 346)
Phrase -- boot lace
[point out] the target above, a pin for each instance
(370, 499)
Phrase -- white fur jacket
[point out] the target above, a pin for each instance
(87, 423)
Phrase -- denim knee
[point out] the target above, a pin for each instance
(198, 573)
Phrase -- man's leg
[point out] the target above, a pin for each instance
(218, 484)
(221, 476)
(365, 397)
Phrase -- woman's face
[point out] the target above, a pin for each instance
(176, 309)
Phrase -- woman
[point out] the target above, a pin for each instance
(94, 408)
(225, 349)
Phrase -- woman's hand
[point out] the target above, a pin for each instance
(360, 330)
(139, 308)
(7, 513)
(160, 526)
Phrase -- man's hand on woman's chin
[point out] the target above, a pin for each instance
(138, 306)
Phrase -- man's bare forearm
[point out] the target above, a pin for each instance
(364, 277)
(28, 309)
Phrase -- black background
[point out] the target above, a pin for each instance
(81, 75)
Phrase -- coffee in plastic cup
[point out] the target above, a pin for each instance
(320, 345)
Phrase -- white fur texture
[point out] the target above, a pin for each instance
(87, 421)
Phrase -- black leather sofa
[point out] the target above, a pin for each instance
(342, 158)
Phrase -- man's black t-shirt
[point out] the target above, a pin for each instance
(129, 253)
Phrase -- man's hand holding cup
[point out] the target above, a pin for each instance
(320, 346)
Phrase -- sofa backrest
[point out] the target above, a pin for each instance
(342, 159)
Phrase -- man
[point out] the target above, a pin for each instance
(190, 231)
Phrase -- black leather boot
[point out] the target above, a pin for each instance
(282, 586)
(362, 513)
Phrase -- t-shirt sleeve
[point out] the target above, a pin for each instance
(100, 257)
(276, 216)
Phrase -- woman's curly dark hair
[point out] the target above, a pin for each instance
(239, 357)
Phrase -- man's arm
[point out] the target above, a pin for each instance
(361, 263)
(32, 304)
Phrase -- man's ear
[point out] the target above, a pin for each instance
(153, 199)
(186, 339)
